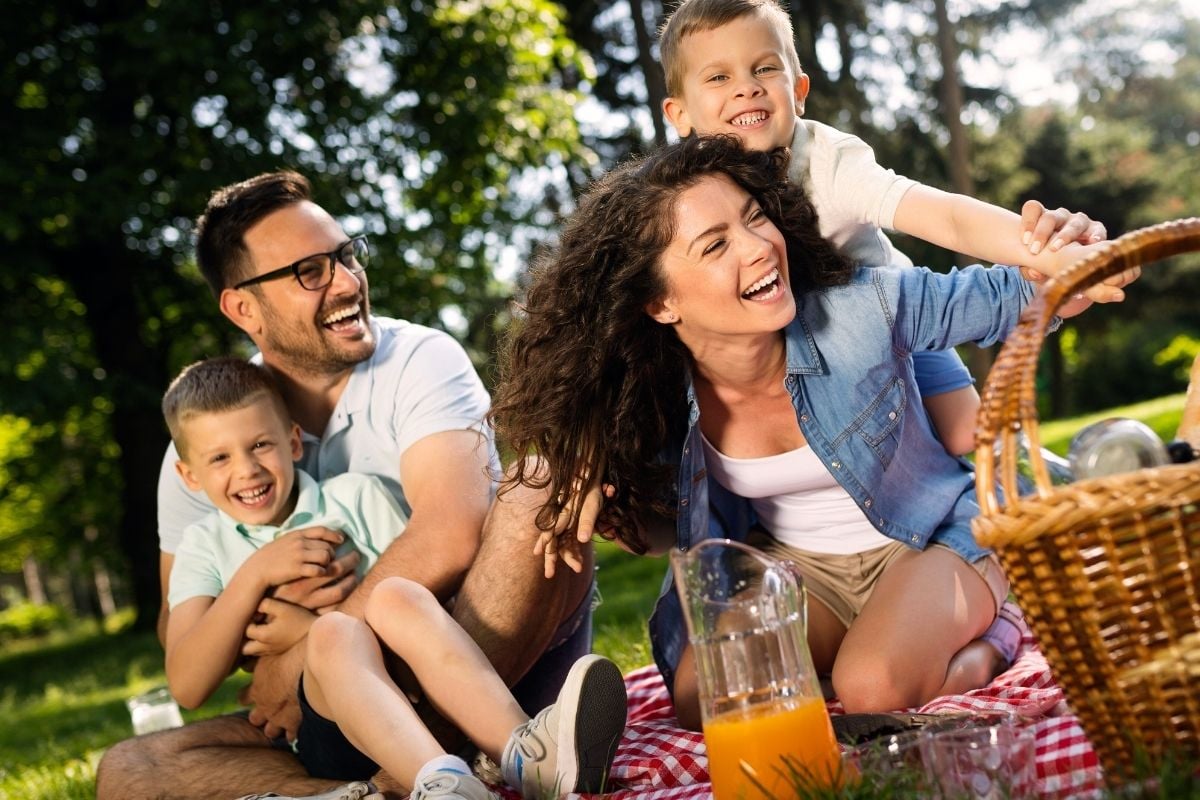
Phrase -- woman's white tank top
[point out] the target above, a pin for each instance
(797, 500)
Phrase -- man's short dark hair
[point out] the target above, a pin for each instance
(233, 210)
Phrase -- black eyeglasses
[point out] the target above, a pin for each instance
(316, 271)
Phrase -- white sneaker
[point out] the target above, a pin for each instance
(569, 746)
(449, 785)
(359, 790)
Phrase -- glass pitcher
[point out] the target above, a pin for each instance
(765, 723)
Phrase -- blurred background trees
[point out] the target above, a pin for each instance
(455, 133)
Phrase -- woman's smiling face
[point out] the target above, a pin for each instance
(726, 267)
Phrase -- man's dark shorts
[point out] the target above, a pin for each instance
(571, 642)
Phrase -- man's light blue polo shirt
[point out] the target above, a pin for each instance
(214, 548)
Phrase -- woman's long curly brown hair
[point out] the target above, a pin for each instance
(588, 378)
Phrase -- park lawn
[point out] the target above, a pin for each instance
(62, 699)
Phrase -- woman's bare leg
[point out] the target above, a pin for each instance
(925, 608)
(825, 635)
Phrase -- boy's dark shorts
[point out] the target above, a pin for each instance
(324, 750)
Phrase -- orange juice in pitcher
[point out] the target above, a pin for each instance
(764, 745)
(760, 701)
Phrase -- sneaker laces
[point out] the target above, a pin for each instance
(527, 743)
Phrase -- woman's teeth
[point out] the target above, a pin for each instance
(768, 280)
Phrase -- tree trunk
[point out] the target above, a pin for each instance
(104, 592)
(656, 88)
(103, 279)
(950, 97)
(35, 590)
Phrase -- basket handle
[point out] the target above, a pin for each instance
(1009, 401)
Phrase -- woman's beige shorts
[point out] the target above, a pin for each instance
(844, 583)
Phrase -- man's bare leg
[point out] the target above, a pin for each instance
(506, 604)
(214, 759)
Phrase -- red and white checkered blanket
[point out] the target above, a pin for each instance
(658, 760)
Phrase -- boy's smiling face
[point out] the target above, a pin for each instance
(738, 79)
(243, 460)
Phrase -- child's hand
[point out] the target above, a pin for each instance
(297, 554)
(277, 626)
(324, 592)
(560, 543)
(1058, 227)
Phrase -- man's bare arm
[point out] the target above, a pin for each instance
(448, 488)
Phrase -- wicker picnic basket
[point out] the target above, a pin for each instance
(1106, 570)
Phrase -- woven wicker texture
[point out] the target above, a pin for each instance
(1106, 570)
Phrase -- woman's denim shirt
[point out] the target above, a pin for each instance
(857, 403)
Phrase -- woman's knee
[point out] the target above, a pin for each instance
(874, 685)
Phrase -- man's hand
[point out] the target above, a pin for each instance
(284, 721)
(1058, 227)
(324, 592)
(278, 625)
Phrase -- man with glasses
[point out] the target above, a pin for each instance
(372, 395)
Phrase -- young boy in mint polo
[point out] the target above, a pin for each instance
(274, 524)
(731, 67)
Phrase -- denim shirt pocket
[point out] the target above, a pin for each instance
(879, 424)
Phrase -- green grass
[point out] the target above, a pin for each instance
(1162, 415)
(62, 698)
(63, 703)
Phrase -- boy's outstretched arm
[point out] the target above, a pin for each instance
(966, 225)
(204, 634)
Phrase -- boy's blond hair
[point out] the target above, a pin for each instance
(697, 16)
(215, 385)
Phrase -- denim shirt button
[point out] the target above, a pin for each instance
(835, 464)
(804, 417)
(891, 415)
(683, 501)
(867, 503)
(914, 538)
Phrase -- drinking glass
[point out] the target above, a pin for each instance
(995, 762)
(154, 710)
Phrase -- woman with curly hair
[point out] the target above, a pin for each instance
(697, 349)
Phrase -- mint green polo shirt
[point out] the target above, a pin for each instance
(358, 505)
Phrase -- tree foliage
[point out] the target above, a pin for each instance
(415, 121)
(453, 132)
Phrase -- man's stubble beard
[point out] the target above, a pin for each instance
(309, 350)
